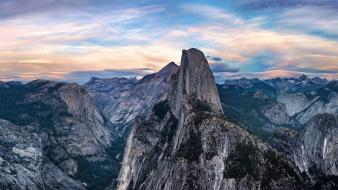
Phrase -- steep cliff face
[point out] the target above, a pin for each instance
(63, 136)
(186, 144)
(252, 104)
(294, 103)
(52, 137)
(195, 80)
(296, 116)
(313, 149)
(316, 151)
(261, 106)
(121, 99)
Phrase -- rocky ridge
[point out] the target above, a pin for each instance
(296, 116)
(45, 144)
(186, 144)
(121, 99)
(65, 136)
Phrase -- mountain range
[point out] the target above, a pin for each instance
(174, 129)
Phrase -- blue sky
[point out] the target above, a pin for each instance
(74, 39)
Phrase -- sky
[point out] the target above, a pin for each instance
(72, 40)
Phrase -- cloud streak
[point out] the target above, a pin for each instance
(53, 38)
(266, 4)
(218, 65)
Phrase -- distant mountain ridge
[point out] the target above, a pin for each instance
(294, 115)
(187, 144)
(57, 135)
(287, 102)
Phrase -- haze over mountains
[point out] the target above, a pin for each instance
(174, 129)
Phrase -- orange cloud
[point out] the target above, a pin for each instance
(33, 46)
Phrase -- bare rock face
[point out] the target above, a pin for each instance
(66, 136)
(320, 106)
(193, 78)
(121, 99)
(316, 152)
(299, 118)
(185, 143)
(51, 137)
(14, 174)
(276, 113)
(294, 102)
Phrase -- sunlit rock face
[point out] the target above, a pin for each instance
(169, 130)
(195, 80)
(296, 116)
(262, 105)
(316, 151)
(312, 148)
(64, 136)
(50, 134)
(120, 100)
(185, 143)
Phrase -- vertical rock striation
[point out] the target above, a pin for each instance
(51, 137)
(316, 151)
(196, 82)
(186, 144)
(120, 100)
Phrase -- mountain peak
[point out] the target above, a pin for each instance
(196, 81)
(169, 69)
(171, 64)
(303, 77)
(195, 58)
(9, 84)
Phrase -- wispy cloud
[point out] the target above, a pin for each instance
(223, 67)
(290, 49)
(212, 13)
(266, 4)
(252, 47)
(57, 37)
(312, 20)
(20, 8)
(87, 41)
(218, 65)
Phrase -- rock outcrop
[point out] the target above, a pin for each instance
(296, 116)
(120, 100)
(316, 152)
(196, 80)
(52, 136)
(63, 136)
(175, 129)
(185, 143)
